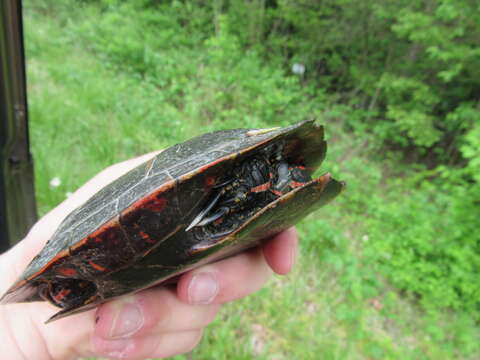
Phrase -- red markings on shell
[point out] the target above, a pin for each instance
(295, 184)
(261, 188)
(155, 204)
(210, 181)
(301, 167)
(146, 237)
(58, 297)
(96, 266)
(67, 271)
(107, 232)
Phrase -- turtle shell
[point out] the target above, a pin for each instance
(133, 234)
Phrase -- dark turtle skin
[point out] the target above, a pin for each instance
(196, 202)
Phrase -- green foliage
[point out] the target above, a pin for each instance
(471, 151)
(415, 240)
(414, 64)
(206, 73)
(409, 104)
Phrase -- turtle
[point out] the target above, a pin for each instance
(194, 203)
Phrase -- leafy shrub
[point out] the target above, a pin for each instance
(425, 241)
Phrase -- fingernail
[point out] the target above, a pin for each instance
(127, 320)
(203, 288)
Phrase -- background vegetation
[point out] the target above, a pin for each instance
(390, 270)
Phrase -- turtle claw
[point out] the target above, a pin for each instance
(204, 212)
(222, 211)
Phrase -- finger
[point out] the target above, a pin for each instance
(140, 348)
(225, 280)
(41, 341)
(149, 312)
(280, 252)
(25, 323)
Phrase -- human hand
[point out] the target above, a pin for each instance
(153, 323)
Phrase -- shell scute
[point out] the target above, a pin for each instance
(143, 186)
(109, 247)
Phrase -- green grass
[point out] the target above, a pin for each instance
(100, 93)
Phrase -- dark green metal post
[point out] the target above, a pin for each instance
(17, 196)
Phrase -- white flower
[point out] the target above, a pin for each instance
(68, 194)
(365, 238)
(55, 182)
(298, 69)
